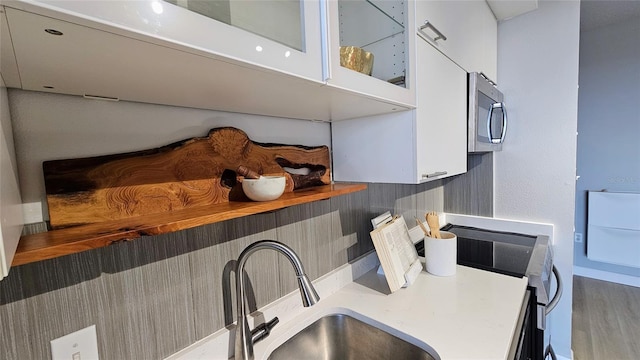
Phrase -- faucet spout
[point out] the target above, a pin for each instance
(243, 340)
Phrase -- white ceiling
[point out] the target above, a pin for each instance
(506, 9)
(597, 13)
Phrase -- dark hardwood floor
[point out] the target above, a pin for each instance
(606, 320)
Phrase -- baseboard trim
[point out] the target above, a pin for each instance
(607, 276)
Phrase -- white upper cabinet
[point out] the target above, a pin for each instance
(11, 219)
(465, 31)
(415, 146)
(63, 57)
(8, 64)
(256, 57)
(280, 35)
(441, 116)
(382, 28)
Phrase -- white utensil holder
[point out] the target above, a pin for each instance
(441, 254)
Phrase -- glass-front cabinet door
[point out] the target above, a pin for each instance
(281, 21)
(370, 48)
(281, 35)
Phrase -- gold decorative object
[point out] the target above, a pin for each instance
(355, 58)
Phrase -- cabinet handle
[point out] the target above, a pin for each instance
(435, 174)
(429, 25)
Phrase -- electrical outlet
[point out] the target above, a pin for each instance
(79, 345)
(577, 237)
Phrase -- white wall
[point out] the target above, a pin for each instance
(50, 126)
(535, 172)
(608, 123)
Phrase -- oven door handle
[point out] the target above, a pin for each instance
(556, 298)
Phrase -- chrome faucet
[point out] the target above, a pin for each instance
(244, 337)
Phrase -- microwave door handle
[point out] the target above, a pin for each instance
(503, 132)
(504, 123)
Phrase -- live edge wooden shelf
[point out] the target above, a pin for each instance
(55, 243)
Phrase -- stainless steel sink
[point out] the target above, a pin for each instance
(344, 337)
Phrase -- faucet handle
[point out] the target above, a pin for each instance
(263, 330)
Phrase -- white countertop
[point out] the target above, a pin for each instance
(471, 315)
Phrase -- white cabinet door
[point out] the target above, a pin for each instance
(414, 146)
(382, 28)
(441, 116)
(470, 30)
(11, 219)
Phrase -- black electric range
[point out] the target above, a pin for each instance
(517, 255)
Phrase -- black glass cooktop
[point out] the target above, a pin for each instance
(501, 252)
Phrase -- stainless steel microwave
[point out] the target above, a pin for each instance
(487, 115)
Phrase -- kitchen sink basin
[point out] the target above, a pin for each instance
(341, 337)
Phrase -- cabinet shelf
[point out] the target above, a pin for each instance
(381, 28)
(380, 24)
(56, 243)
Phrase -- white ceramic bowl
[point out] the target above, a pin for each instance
(264, 189)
